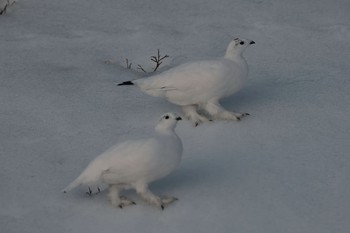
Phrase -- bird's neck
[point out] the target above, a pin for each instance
(238, 59)
(234, 56)
(161, 129)
(167, 134)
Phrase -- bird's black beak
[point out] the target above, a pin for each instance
(252, 42)
(178, 118)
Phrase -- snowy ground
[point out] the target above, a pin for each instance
(285, 168)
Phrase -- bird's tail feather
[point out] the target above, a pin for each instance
(90, 176)
(78, 181)
(126, 83)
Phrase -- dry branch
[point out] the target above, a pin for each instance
(158, 60)
(4, 9)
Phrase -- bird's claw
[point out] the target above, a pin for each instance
(165, 201)
(125, 202)
(240, 116)
(89, 192)
(122, 205)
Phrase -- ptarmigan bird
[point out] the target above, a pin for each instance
(200, 85)
(135, 164)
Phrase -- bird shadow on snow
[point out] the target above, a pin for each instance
(208, 169)
(197, 174)
(256, 94)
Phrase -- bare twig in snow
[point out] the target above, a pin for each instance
(139, 67)
(128, 65)
(158, 60)
(7, 4)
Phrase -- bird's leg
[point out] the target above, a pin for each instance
(115, 199)
(218, 112)
(113, 195)
(191, 113)
(159, 201)
(148, 196)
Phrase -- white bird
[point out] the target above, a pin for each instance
(135, 164)
(197, 86)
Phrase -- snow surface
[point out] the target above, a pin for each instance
(285, 168)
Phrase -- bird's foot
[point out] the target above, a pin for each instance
(231, 116)
(162, 201)
(148, 196)
(89, 192)
(239, 116)
(198, 119)
(123, 202)
(191, 114)
(217, 112)
(166, 200)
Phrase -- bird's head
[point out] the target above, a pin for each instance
(237, 46)
(168, 121)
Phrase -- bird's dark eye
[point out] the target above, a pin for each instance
(166, 117)
(242, 42)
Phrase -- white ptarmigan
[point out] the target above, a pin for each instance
(200, 85)
(135, 164)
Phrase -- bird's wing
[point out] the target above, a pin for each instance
(130, 160)
(120, 163)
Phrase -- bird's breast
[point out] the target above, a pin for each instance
(168, 160)
(235, 78)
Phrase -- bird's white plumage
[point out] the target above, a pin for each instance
(201, 84)
(136, 163)
(196, 82)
